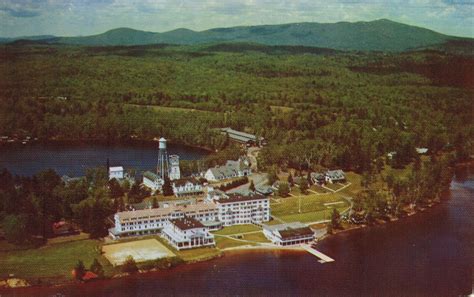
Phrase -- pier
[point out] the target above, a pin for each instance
(322, 257)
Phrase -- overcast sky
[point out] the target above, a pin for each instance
(86, 17)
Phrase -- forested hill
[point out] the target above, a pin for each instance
(379, 35)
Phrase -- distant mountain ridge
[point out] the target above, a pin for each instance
(379, 35)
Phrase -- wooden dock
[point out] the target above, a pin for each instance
(322, 257)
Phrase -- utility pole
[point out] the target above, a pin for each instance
(299, 202)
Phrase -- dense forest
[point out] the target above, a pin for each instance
(316, 107)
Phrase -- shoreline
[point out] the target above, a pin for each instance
(254, 248)
(231, 251)
(101, 141)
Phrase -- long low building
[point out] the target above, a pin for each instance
(243, 137)
(231, 169)
(152, 221)
(288, 234)
(223, 210)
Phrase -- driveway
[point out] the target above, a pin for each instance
(259, 179)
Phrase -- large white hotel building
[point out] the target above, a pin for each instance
(217, 211)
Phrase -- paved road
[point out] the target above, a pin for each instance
(252, 153)
(259, 179)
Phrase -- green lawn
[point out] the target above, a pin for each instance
(237, 229)
(312, 207)
(225, 242)
(51, 262)
(198, 254)
(257, 237)
(307, 216)
(318, 189)
(309, 203)
(334, 187)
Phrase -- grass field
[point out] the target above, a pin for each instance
(237, 229)
(312, 207)
(54, 262)
(225, 242)
(140, 250)
(199, 254)
(257, 237)
(166, 108)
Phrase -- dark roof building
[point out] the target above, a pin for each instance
(187, 223)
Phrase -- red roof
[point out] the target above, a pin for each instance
(89, 275)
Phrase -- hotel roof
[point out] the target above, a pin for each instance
(240, 198)
(289, 230)
(187, 223)
(163, 211)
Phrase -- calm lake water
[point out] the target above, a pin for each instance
(73, 159)
(428, 254)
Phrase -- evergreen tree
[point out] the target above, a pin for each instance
(97, 268)
(308, 178)
(79, 270)
(303, 186)
(335, 219)
(252, 186)
(129, 266)
(115, 190)
(283, 190)
(154, 203)
(290, 180)
(167, 188)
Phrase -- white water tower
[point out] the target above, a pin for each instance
(163, 166)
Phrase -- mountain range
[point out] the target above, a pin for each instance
(378, 35)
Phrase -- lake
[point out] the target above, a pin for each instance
(428, 254)
(73, 159)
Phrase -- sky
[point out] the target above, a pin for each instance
(87, 17)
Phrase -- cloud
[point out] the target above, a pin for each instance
(20, 13)
(83, 17)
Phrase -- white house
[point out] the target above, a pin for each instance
(288, 234)
(237, 209)
(187, 233)
(152, 181)
(186, 187)
(334, 176)
(317, 178)
(231, 169)
(152, 221)
(116, 172)
(421, 150)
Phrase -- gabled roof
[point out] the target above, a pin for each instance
(238, 134)
(229, 169)
(335, 174)
(150, 175)
(317, 175)
(184, 181)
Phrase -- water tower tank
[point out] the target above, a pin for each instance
(162, 145)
